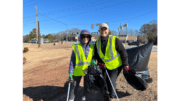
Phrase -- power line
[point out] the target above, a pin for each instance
(35, 3)
(53, 19)
(111, 21)
(78, 8)
(122, 19)
(79, 24)
(142, 15)
(90, 24)
(74, 6)
(93, 10)
(62, 9)
(29, 23)
(28, 1)
(27, 20)
(71, 9)
(133, 17)
(29, 16)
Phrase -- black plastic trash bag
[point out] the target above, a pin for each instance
(95, 78)
(138, 74)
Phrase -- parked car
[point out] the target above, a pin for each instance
(24, 40)
(134, 43)
(33, 41)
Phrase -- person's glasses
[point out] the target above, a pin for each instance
(85, 36)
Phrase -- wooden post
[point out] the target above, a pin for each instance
(36, 25)
(39, 41)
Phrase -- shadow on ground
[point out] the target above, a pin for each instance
(55, 93)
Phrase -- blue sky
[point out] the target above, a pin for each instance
(82, 13)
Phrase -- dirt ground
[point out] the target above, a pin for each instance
(45, 76)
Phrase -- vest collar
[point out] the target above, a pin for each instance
(105, 38)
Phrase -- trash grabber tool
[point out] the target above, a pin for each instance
(70, 81)
(111, 82)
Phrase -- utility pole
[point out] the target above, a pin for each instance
(39, 35)
(119, 29)
(36, 25)
(67, 34)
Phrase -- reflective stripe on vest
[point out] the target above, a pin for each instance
(77, 50)
(111, 51)
(81, 61)
(113, 59)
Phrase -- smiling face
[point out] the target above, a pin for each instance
(104, 31)
(85, 38)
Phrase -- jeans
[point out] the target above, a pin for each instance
(74, 87)
(113, 76)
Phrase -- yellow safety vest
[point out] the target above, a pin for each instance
(81, 61)
(112, 58)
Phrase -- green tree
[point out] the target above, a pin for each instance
(150, 30)
(32, 35)
(28, 38)
(151, 36)
(49, 37)
(34, 31)
(43, 36)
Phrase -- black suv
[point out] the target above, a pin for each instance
(134, 43)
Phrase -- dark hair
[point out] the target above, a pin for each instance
(110, 32)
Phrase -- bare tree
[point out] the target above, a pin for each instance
(96, 35)
(131, 32)
(114, 33)
(62, 35)
(150, 30)
(153, 22)
(71, 33)
(136, 33)
(75, 30)
(122, 32)
(54, 36)
(142, 38)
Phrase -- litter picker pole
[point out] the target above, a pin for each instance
(111, 84)
(68, 91)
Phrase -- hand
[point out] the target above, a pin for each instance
(94, 62)
(103, 66)
(70, 76)
(126, 68)
(86, 70)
